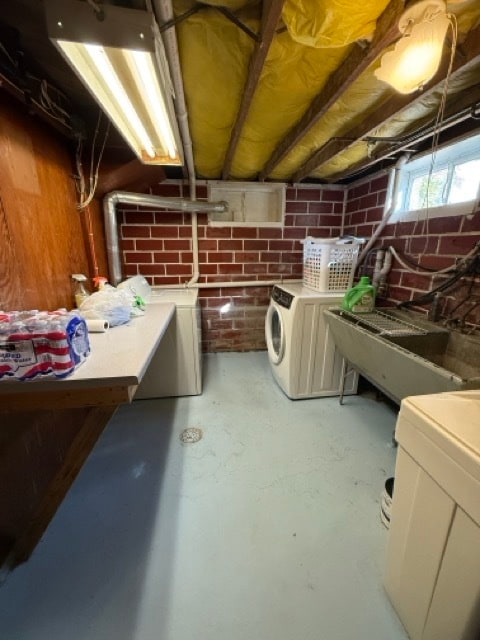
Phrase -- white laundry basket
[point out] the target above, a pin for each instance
(329, 263)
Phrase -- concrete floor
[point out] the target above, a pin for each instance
(268, 528)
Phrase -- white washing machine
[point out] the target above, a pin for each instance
(304, 359)
(176, 367)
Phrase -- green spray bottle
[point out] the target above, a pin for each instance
(360, 298)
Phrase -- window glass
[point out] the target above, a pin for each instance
(428, 190)
(464, 182)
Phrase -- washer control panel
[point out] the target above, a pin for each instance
(281, 297)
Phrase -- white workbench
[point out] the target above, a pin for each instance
(109, 376)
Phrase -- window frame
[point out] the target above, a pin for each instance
(450, 156)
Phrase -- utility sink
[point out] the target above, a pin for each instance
(404, 354)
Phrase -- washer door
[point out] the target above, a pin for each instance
(274, 334)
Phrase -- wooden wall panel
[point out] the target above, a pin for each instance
(42, 242)
(41, 234)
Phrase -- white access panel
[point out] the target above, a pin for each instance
(432, 574)
(176, 367)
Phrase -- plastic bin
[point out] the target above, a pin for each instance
(329, 263)
(432, 574)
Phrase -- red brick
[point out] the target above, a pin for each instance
(244, 232)
(186, 256)
(320, 207)
(456, 245)
(280, 245)
(180, 245)
(444, 225)
(295, 233)
(256, 268)
(471, 223)
(166, 256)
(127, 245)
(153, 269)
(269, 233)
(333, 195)
(164, 232)
(138, 257)
(149, 245)
(209, 269)
(312, 195)
(374, 215)
(296, 207)
(229, 268)
(247, 256)
(270, 256)
(220, 256)
(139, 217)
(135, 231)
(338, 207)
(230, 245)
(186, 232)
(208, 245)
(359, 217)
(178, 270)
(357, 192)
(368, 202)
(306, 220)
(379, 184)
(219, 232)
(423, 245)
(130, 270)
(169, 217)
(292, 257)
(255, 245)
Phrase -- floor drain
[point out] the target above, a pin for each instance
(191, 435)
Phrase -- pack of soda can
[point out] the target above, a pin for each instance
(41, 343)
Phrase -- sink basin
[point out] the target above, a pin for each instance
(404, 354)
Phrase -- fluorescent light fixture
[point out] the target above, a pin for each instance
(416, 56)
(114, 53)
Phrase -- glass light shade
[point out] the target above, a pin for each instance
(416, 57)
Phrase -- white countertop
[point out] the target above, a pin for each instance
(119, 357)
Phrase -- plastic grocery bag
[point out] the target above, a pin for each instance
(111, 304)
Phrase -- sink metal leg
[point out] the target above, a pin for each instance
(343, 375)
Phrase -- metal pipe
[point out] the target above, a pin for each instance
(397, 170)
(141, 199)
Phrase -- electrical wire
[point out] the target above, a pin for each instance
(437, 129)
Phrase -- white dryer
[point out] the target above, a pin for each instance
(176, 366)
(304, 359)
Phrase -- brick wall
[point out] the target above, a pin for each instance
(157, 244)
(435, 244)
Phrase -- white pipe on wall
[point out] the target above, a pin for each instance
(391, 207)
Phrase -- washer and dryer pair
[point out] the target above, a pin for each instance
(304, 359)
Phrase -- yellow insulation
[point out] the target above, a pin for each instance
(215, 55)
(331, 23)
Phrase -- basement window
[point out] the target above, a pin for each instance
(450, 187)
(249, 204)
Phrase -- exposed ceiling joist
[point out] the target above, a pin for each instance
(353, 66)
(392, 107)
(271, 12)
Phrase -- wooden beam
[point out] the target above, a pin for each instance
(357, 61)
(272, 10)
(393, 106)
(132, 176)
